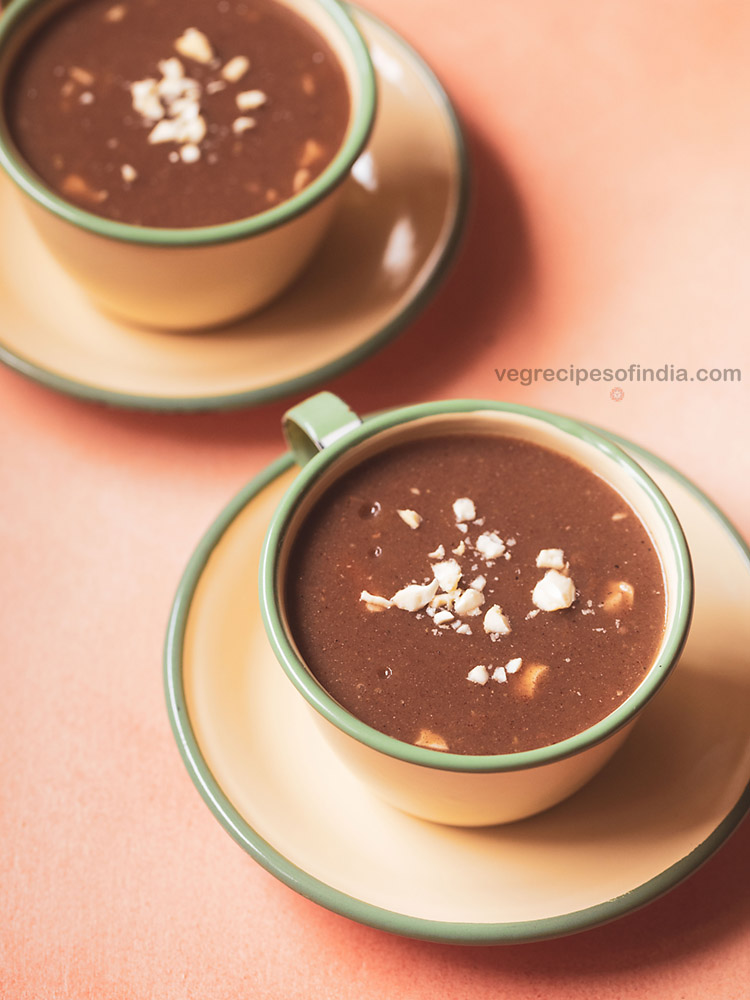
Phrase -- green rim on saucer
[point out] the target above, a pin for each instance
(301, 881)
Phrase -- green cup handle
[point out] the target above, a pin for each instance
(316, 423)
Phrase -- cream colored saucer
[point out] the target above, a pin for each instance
(667, 800)
(386, 253)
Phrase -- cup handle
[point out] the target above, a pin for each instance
(315, 424)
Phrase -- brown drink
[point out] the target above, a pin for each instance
(477, 594)
(177, 113)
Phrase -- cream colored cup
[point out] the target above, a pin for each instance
(183, 279)
(328, 439)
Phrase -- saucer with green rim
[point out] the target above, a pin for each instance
(668, 799)
(388, 249)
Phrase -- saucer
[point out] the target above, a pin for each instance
(667, 800)
(385, 255)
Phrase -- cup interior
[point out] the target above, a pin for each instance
(328, 17)
(320, 17)
(566, 437)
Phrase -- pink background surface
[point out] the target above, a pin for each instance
(610, 226)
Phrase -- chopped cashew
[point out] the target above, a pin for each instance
(490, 545)
(414, 597)
(495, 622)
(410, 517)
(464, 509)
(554, 592)
(551, 559)
(381, 602)
(193, 44)
(468, 602)
(447, 574)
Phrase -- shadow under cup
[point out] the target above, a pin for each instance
(454, 788)
(192, 278)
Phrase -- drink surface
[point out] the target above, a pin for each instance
(177, 113)
(476, 594)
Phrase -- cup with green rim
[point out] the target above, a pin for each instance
(191, 278)
(328, 439)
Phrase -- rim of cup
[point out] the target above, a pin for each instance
(676, 629)
(358, 132)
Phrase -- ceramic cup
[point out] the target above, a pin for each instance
(182, 279)
(328, 439)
